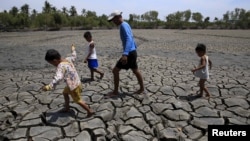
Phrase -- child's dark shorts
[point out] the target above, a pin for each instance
(131, 63)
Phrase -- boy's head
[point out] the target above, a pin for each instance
(87, 35)
(200, 49)
(53, 57)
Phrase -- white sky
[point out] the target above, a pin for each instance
(208, 8)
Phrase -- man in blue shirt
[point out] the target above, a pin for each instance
(129, 55)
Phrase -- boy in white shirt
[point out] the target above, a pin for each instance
(91, 57)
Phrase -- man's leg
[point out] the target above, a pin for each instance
(116, 72)
(139, 79)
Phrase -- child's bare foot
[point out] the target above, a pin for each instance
(101, 75)
(64, 110)
(90, 114)
(141, 91)
(110, 95)
(208, 95)
(198, 94)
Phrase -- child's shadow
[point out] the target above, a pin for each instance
(189, 97)
(86, 80)
(54, 116)
(115, 97)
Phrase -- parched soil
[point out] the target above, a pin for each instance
(168, 110)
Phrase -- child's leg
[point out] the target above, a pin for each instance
(66, 92)
(90, 112)
(66, 99)
(76, 96)
(100, 72)
(201, 84)
(203, 88)
(92, 74)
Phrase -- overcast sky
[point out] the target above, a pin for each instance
(208, 8)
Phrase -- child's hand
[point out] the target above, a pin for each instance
(193, 70)
(46, 88)
(210, 67)
(72, 47)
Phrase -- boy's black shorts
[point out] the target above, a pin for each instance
(132, 62)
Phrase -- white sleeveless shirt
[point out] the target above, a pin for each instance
(93, 54)
(203, 73)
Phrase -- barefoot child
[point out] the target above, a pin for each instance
(66, 71)
(91, 57)
(202, 70)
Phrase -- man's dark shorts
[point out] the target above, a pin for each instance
(132, 62)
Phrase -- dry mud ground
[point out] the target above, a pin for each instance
(168, 111)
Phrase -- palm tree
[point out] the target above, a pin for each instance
(83, 12)
(64, 11)
(47, 7)
(13, 11)
(73, 11)
(25, 9)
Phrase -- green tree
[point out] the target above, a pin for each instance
(176, 20)
(5, 19)
(65, 11)
(91, 20)
(197, 17)
(83, 12)
(206, 22)
(187, 15)
(25, 9)
(152, 18)
(14, 11)
(24, 16)
(73, 11)
(47, 7)
(134, 20)
(103, 21)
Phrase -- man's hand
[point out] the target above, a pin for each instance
(124, 59)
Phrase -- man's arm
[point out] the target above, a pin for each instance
(127, 40)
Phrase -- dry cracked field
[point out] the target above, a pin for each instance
(169, 110)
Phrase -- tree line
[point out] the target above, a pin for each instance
(52, 18)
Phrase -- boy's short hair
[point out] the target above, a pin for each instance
(200, 47)
(87, 34)
(52, 54)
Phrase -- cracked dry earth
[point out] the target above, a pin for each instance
(169, 110)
